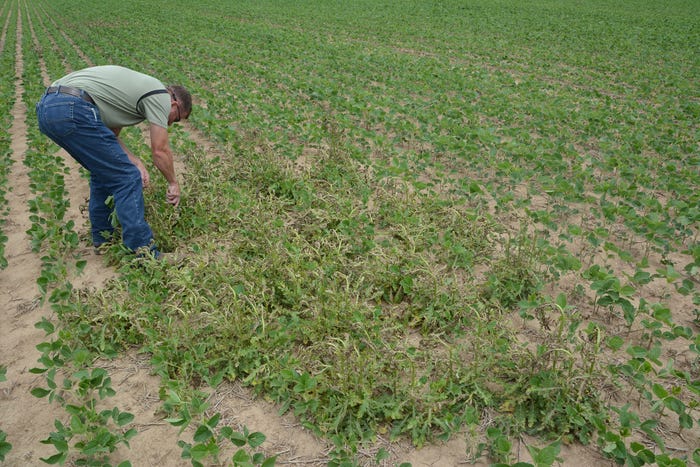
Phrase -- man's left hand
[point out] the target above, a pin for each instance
(145, 177)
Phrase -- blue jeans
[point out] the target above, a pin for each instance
(75, 125)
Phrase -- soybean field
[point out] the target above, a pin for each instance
(412, 232)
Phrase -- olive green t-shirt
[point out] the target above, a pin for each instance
(116, 91)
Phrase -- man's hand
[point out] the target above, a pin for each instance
(145, 176)
(172, 196)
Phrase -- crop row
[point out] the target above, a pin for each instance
(7, 97)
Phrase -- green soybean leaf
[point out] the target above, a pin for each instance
(124, 418)
(202, 434)
(40, 392)
(256, 439)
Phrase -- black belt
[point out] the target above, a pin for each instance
(71, 92)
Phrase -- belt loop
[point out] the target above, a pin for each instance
(58, 89)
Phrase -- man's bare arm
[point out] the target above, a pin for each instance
(163, 160)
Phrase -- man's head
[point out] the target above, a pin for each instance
(181, 103)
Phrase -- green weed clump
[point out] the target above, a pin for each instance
(357, 321)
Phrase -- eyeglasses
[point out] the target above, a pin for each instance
(178, 107)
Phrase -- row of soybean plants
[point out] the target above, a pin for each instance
(51, 234)
(300, 90)
(8, 21)
(7, 92)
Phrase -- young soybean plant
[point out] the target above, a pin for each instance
(92, 434)
(209, 437)
(5, 447)
(207, 445)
